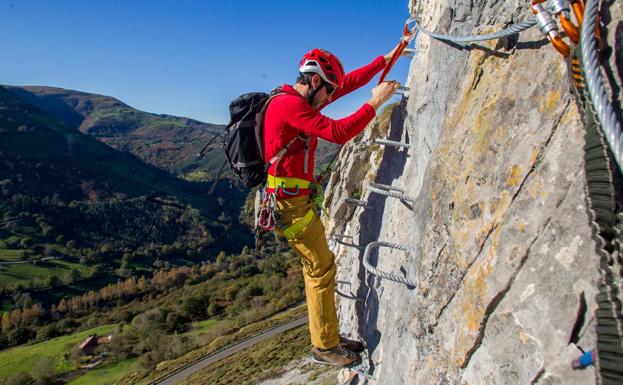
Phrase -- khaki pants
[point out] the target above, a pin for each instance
(318, 271)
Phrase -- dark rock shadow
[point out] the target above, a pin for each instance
(536, 44)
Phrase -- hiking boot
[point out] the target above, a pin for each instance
(338, 356)
(353, 346)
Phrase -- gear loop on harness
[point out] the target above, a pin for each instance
(286, 192)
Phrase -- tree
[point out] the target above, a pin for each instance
(26, 243)
(71, 244)
(7, 323)
(49, 251)
(21, 378)
(52, 280)
(26, 254)
(44, 370)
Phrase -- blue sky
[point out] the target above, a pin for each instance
(190, 58)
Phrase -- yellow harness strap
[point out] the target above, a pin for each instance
(297, 227)
(275, 182)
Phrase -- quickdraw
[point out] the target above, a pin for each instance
(407, 36)
(267, 216)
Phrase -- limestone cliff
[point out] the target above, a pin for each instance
(500, 246)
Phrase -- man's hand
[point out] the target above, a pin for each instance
(382, 93)
(389, 54)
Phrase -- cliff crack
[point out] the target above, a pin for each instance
(580, 319)
(541, 155)
(537, 376)
(440, 313)
(534, 166)
(498, 298)
(436, 263)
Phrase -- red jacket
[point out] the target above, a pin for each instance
(290, 115)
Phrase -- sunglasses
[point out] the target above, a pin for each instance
(330, 89)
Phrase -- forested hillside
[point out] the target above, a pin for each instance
(75, 210)
(168, 142)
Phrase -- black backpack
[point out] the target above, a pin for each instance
(244, 137)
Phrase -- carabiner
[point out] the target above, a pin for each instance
(407, 35)
(561, 9)
(283, 189)
(548, 26)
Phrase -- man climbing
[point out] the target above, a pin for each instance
(295, 113)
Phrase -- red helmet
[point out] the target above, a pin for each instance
(325, 64)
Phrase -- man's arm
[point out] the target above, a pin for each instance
(301, 115)
(361, 76)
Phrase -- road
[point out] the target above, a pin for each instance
(219, 355)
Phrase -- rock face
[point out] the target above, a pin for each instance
(497, 228)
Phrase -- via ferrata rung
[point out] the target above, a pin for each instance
(373, 270)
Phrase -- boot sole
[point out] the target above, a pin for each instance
(321, 362)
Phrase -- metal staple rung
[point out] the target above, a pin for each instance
(402, 90)
(410, 52)
(358, 202)
(387, 142)
(390, 191)
(339, 239)
(382, 274)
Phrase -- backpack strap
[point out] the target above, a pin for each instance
(277, 158)
(259, 133)
(259, 121)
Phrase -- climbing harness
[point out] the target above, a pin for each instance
(266, 215)
(408, 35)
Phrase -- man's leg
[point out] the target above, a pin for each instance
(318, 271)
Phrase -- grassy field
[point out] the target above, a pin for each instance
(24, 273)
(106, 375)
(256, 363)
(223, 341)
(7, 255)
(203, 326)
(282, 349)
(24, 358)
(197, 175)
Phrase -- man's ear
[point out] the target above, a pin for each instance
(316, 81)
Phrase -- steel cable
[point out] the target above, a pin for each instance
(595, 84)
(513, 29)
(390, 191)
(382, 274)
